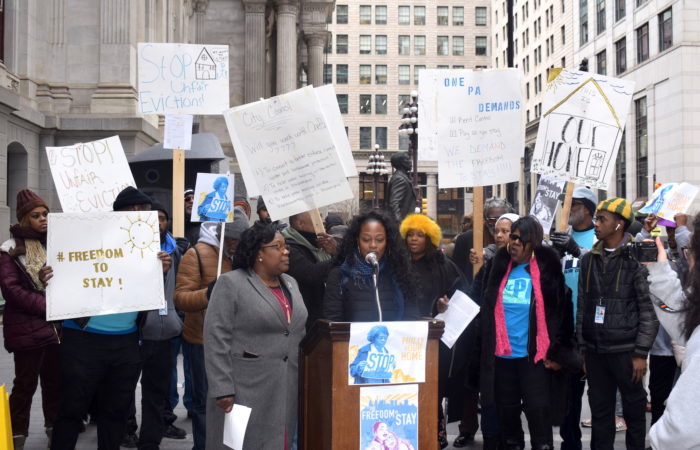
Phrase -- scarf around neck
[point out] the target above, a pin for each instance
(356, 269)
(31, 244)
(304, 240)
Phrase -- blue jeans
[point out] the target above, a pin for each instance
(176, 344)
(199, 394)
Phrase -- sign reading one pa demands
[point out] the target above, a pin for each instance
(387, 352)
(546, 201)
(213, 198)
(389, 417)
(581, 127)
(89, 176)
(287, 154)
(183, 78)
(103, 263)
(480, 125)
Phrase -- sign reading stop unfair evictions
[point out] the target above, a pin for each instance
(287, 153)
(477, 125)
(103, 263)
(88, 177)
(183, 78)
(581, 126)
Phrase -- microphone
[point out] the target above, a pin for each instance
(371, 259)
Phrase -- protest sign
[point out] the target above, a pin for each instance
(286, 153)
(546, 201)
(213, 198)
(183, 78)
(460, 312)
(478, 125)
(387, 352)
(427, 111)
(389, 417)
(331, 112)
(581, 127)
(670, 199)
(103, 263)
(178, 131)
(88, 177)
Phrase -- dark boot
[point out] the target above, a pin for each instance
(511, 428)
(539, 422)
(493, 443)
(511, 444)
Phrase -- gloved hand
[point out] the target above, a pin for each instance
(564, 243)
(210, 288)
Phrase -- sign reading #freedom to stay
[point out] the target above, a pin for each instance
(183, 78)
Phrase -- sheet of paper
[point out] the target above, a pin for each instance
(235, 424)
(459, 314)
(178, 131)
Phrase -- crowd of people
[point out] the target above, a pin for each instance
(559, 311)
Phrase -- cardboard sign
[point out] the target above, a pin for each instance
(389, 417)
(670, 199)
(331, 112)
(178, 131)
(544, 208)
(387, 352)
(213, 198)
(88, 177)
(183, 78)
(581, 127)
(103, 263)
(286, 153)
(478, 125)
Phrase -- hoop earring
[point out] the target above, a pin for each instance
(508, 247)
(260, 259)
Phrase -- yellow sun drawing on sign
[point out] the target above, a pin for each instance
(142, 235)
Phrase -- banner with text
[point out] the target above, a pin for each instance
(581, 127)
(183, 78)
(477, 125)
(88, 177)
(389, 417)
(387, 352)
(287, 154)
(213, 198)
(546, 201)
(103, 263)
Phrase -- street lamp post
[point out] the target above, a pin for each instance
(409, 127)
(376, 166)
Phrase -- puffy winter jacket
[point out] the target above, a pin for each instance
(620, 286)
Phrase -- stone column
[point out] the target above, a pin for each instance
(315, 43)
(432, 193)
(200, 10)
(287, 12)
(254, 50)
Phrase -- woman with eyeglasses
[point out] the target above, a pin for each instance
(350, 294)
(255, 321)
(527, 336)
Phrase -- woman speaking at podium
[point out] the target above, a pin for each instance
(371, 245)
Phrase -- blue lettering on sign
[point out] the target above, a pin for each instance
(379, 365)
(459, 82)
(508, 105)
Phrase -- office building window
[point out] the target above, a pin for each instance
(443, 66)
(328, 49)
(527, 91)
(404, 74)
(404, 101)
(643, 43)
(365, 138)
(563, 61)
(620, 56)
(404, 15)
(583, 21)
(563, 35)
(341, 14)
(380, 74)
(443, 15)
(404, 142)
(601, 63)
(365, 74)
(419, 45)
(341, 44)
(342, 103)
(404, 45)
(443, 46)
(380, 44)
(458, 16)
(640, 119)
(365, 14)
(327, 73)
(665, 30)
(341, 74)
(380, 104)
(365, 104)
(600, 16)
(380, 137)
(416, 73)
(620, 9)
(461, 67)
(621, 169)
(480, 42)
(365, 44)
(380, 15)
(458, 45)
(480, 18)
(419, 15)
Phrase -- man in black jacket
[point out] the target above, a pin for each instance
(616, 327)
(399, 191)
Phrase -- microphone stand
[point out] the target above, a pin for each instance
(376, 292)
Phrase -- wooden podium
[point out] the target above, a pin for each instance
(329, 412)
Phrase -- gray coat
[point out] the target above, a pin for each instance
(245, 318)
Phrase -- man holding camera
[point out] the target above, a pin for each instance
(616, 326)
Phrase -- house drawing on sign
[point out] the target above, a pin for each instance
(204, 66)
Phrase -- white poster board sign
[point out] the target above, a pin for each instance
(213, 198)
(581, 127)
(287, 154)
(178, 131)
(331, 112)
(670, 199)
(387, 352)
(89, 176)
(480, 125)
(103, 263)
(183, 78)
(546, 201)
(427, 112)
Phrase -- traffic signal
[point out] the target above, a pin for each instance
(424, 206)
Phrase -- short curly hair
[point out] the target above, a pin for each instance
(252, 241)
(218, 182)
(376, 331)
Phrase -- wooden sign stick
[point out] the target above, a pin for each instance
(317, 221)
(478, 227)
(566, 207)
(178, 210)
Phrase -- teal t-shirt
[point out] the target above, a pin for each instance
(584, 239)
(120, 323)
(516, 306)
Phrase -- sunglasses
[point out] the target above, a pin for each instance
(517, 237)
(279, 247)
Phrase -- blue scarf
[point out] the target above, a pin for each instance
(356, 269)
(169, 245)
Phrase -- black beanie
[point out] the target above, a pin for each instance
(157, 206)
(130, 196)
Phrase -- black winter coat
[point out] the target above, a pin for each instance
(619, 284)
(311, 276)
(401, 196)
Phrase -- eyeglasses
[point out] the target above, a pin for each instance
(279, 247)
(517, 237)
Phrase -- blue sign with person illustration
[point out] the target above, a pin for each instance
(214, 198)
